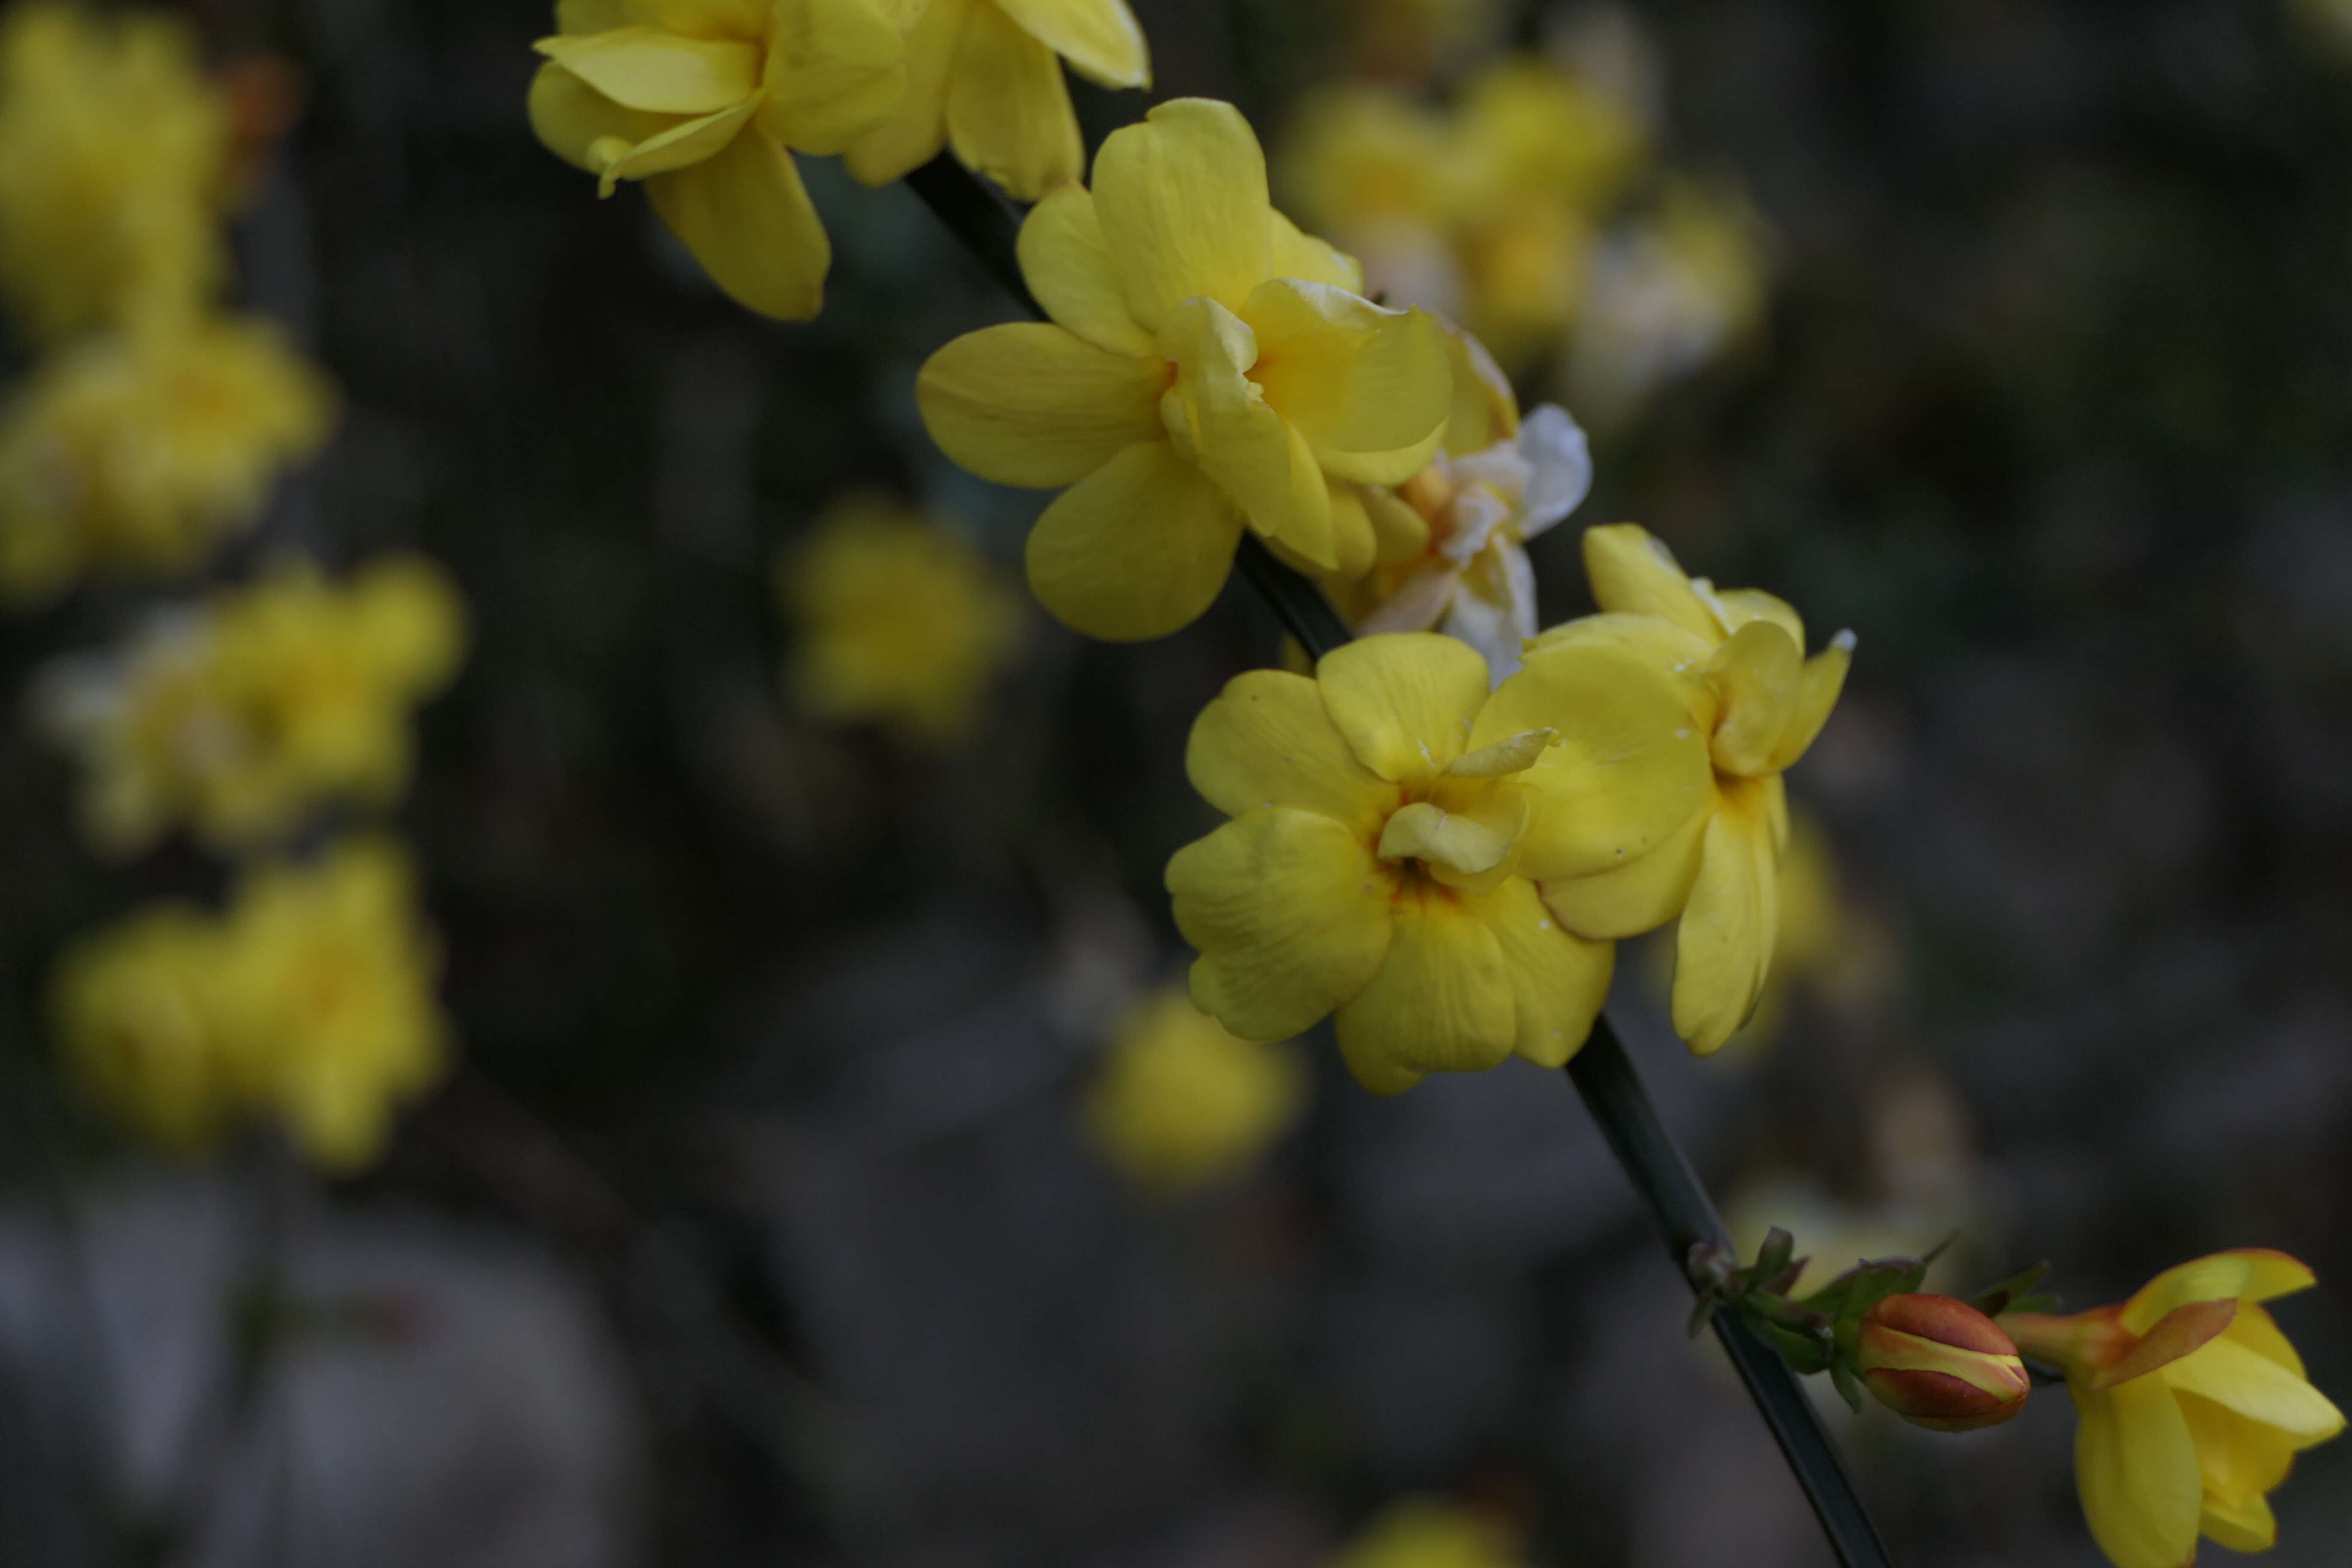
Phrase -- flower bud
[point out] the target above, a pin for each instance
(1941, 1364)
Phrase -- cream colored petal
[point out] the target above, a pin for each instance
(1098, 37)
(1633, 573)
(2257, 1388)
(1406, 702)
(835, 70)
(1290, 916)
(1440, 1003)
(569, 117)
(1029, 403)
(2246, 1526)
(1370, 389)
(1009, 113)
(1217, 418)
(1756, 675)
(1723, 948)
(2244, 1274)
(2137, 1470)
(1267, 741)
(1558, 980)
(1302, 255)
(2239, 1458)
(1640, 896)
(1068, 268)
(1137, 549)
(1183, 207)
(1824, 680)
(746, 216)
(916, 129)
(659, 72)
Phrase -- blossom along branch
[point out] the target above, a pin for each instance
(1602, 1073)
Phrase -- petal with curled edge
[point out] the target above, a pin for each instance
(682, 146)
(2247, 1526)
(835, 70)
(1486, 409)
(1302, 255)
(1100, 38)
(2239, 1458)
(1757, 674)
(2135, 1467)
(1290, 915)
(1009, 112)
(659, 72)
(2244, 1274)
(2183, 1330)
(1627, 770)
(1723, 948)
(746, 216)
(1561, 457)
(917, 130)
(1400, 533)
(1441, 1001)
(1218, 418)
(1370, 389)
(1183, 207)
(1817, 696)
(2259, 1333)
(1558, 980)
(1736, 607)
(1267, 741)
(1639, 896)
(1354, 546)
(1068, 268)
(569, 117)
(1032, 404)
(1136, 549)
(1404, 701)
(1633, 573)
(2257, 1388)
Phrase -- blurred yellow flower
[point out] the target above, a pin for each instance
(1737, 658)
(2326, 23)
(1390, 822)
(1433, 1532)
(310, 1005)
(1179, 1103)
(706, 101)
(2190, 1407)
(241, 716)
(1207, 367)
(139, 451)
(110, 196)
(895, 621)
(985, 77)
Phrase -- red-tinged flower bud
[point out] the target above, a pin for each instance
(1940, 1364)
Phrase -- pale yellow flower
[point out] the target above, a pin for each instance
(1181, 1103)
(139, 451)
(896, 621)
(1207, 368)
(1433, 1532)
(242, 716)
(1374, 168)
(706, 101)
(2190, 1407)
(111, 193)
(137, 1015)
(1754, 703)
(985, 77)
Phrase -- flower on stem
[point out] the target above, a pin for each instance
(2190, 1407)
(1940, 1364)
(706, 101)
(1389, 820)
(896, 621)
(1752, 704)
(1207, 368)
(1181, 1103)
(985, 77)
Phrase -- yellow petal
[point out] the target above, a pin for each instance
(1628, 768)
(2257, 1388)
(2244, 1274)
(835, 70)
(1723, 948)
(1354, 546)
(695, 18)
(1824, 679)
(1736, 607)
(1137, 549)
(1098, 37)
(1557, 980)
(917, 130)
(2259, 1333)
(1633, 574)
(1183, 207)
(2239, 1458)
(1217, 418)
(1370, 389)
(2137, 1470)
(1675, 649)
(1399, 533)
(1486, 409)
(2182, 1331)
(569, 117)
(1267, 741)
(2246, 1526)
(1494, 759)
(1640, 896)
(1756, 675)
(1029, 403)
(1009, 114)
(1290, 916)
(593, 16)
(746, 216)
(658, 72)
(1302, 255)
(680, 146)
(1440, 1003)
(1068, 268)
(1425, 831)
(1405, 701)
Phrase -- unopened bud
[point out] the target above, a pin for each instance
(1940, 1364)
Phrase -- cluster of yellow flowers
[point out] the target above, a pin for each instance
(157, 425)
(308, 1004)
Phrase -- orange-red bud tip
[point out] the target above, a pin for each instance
(1940, 1364)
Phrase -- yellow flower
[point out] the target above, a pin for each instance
(1432, 1532)
(1390, 820)
(983, 76)
(1374, 168)
(706, 101)
(117, 152)
(1755, 703)
(139, 451)
(242, 716)
(136, 1010)
(896, 621)
(2190, 1407)
(1179, 1103)
(1207, 367)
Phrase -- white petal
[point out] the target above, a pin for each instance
(1555, 447)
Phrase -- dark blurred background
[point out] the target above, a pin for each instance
(758, 1224)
